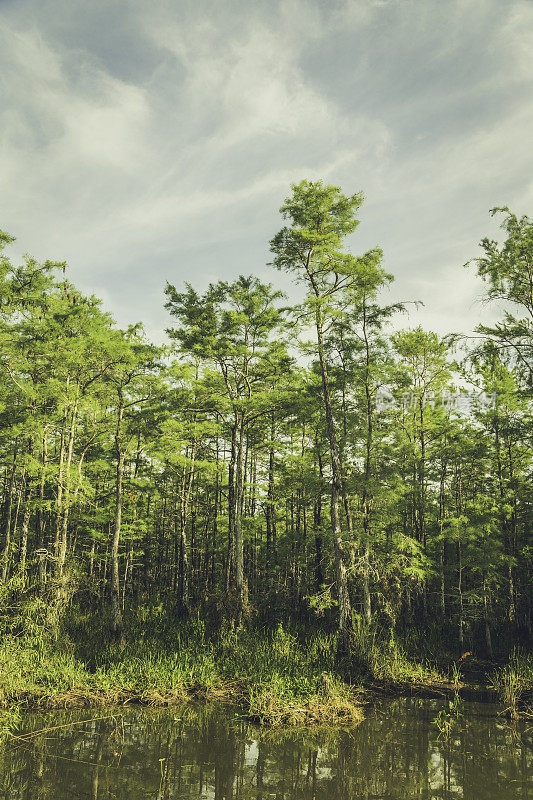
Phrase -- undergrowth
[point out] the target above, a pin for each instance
(280, 675)
(276, 675)
(384, 657)
(514, 683)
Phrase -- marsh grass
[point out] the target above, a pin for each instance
(276, 676)
(514, 682)
(384, 657)
(279, 675)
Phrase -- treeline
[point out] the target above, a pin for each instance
(303, 461)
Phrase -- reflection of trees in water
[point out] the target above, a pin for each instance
(395, 753)
(97, 761)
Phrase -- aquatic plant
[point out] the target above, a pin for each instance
(514, 680)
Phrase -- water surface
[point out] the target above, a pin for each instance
(396, 753)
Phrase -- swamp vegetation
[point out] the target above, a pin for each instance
(282, 505)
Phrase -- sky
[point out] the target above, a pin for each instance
(146, 142)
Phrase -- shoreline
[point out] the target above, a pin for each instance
(275, 677)
(314, 710)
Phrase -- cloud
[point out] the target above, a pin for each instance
(145, 142)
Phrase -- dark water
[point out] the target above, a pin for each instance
(397, 753)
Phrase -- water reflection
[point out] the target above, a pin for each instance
(396, 753)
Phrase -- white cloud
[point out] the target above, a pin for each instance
(178, 172)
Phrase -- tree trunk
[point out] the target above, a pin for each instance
(422, 499)
(488, 637)
(24, 532)
(460, 595)
(317, 519)
(40, 531)
(505, 524)
(239, 555)
(442, 595)
(367, 489)
(270, 518)
(7, 518)
(344, 614)
(184, 561)
(63, 506)
(117, 625)
(231, 505)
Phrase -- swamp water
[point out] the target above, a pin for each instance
(396, 753)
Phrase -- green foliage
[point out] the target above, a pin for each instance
(223, 494)
(507, 270)
(514, 680)
(383, 657)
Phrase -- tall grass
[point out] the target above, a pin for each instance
(276, 674)
(279, 674)
(382, 656)
(513, 680)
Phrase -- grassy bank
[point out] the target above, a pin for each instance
(276, 675)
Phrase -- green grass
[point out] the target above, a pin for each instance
(514, 680)
(275, 675)
(280, 675)
(385, 658)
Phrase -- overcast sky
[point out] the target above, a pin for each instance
(152, 141)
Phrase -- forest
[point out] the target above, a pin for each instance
(316, 485)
